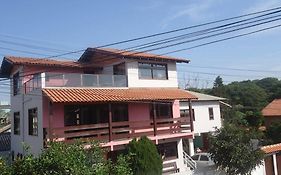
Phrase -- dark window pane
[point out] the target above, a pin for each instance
(211, 114)
(33, 122)
(159, 74)
(145, 73)
(17, 123)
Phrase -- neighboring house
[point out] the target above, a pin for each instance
(107, 95)
(272, 112)
(206, 116)
(271, 164)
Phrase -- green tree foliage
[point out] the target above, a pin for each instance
(145, 159)
(4, 168)
(272, 87)
(273, 133)
(68, 159)
(232, 150)
(254, 119)
(218, 88)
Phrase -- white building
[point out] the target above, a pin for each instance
(206, 118)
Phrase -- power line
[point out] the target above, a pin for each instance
(168, 32)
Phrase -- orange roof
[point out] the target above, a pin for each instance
(134, 54)
(83, 95)
(271, 148)
(273, 108)
(40, 61)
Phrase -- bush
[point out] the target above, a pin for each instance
(144, 157)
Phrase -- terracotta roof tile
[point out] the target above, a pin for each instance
(271, 148)
(139, 55)
(40, 61)
(273, 108)
(79, 95)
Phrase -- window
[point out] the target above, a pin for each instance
(17, 123)
(33, 122)
(185, 113)
(16, 83)
(119, 69)
(162, 110)
(153, 71)
(211, 114)
(119, 112)
(168, 150)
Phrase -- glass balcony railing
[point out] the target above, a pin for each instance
(84, 80)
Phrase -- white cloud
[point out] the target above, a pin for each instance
(262, 5)
(194, 11)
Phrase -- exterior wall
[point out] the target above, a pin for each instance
(107, 70)
(270, 119)
(134, 81)
(138, 111)
(260, 170)
(202, 123)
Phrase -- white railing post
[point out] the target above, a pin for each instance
(43, 78)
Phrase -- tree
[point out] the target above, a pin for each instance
(273, 133)
(232, 150)
(66, 159)
(218, 82)
(145, 158)
(254, 119)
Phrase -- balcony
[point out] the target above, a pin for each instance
(123, 131)
(74, 80)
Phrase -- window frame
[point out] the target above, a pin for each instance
(211, 113)
(16, 84)
(33, 121)
(151, 67)
(16, 131)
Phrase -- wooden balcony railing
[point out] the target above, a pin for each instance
(121, 130)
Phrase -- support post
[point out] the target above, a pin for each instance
(154, 119)
(191, 147)
(50, 130)
(110, 122)
(275, 164)
(191, 116)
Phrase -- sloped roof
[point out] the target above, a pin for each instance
(131, 55)
(271, 148)
(82, 95)
(273, 108)
(40, 61)
(205, 97)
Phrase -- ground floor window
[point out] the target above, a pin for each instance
(168, 150)
(163, 110)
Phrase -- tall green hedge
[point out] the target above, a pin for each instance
(145, 159)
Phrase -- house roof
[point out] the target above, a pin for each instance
(82, 95)
(9, 61)
(273, 108)
(271, 148)
(125, 54)
(205, 97)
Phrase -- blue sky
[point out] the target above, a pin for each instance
(76, 24)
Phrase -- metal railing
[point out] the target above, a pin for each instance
(84, 80)
(189, 161)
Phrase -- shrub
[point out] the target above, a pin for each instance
(144, 157)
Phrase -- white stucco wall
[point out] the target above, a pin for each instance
(134, 81)
(202, 123)
(260, 170)
(20, 103)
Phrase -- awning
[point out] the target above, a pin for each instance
(90, 95)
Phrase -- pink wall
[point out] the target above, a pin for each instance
(58, 114)
(176, 109)
(138, 111)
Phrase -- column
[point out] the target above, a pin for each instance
(275, 164)
(191, 147)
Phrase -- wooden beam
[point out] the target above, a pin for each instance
(154, 119)
(190, 115)
(110, 122)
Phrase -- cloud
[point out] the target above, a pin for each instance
(194, 11)
(262, 5)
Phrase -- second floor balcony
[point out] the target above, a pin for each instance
(74, 80)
